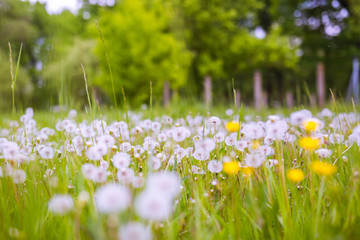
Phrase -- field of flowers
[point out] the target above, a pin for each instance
(292, 176)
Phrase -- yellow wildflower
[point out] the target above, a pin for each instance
(311, 124)
(247, 171)
(323, 168)
(295, 175)
(309, 143)
(255, 145)
(233, 126)
(231, 167)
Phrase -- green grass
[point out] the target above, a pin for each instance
(266, 205)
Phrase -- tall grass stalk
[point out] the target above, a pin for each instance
(86, 88)
(14, 76)
(109, 67)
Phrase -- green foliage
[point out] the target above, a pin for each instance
(140, 52)
(65, 73)
(23, 88)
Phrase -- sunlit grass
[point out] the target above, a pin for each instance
(268, 202)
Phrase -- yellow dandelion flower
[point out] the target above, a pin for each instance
(231, 167)
(247, 171)
(255, 145)
(295, 175)
(309, 143)
(323, 168)
(233, 126)
(311, 124)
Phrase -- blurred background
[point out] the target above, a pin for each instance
(271, 52)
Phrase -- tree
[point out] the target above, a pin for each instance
(140, 50)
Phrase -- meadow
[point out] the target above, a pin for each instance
(175, 174)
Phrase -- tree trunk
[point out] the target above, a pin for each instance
(166, 94)
(257, 90)
(238, 97)
(320, 84)
(207, 90)
(289, 99)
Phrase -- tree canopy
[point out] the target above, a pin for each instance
(179, 42)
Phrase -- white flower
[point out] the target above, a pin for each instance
(206, 145)
(146, 124)
(155, 126)
(107, 140)
(201, 155)
(125, 147)
(277, 129)
(162, 137)
(254, 160)
(96, 152)
(153, 206)
(10, 150)
(180, 153)
(230, 140)
(46, 152)
(241, 145)
(164, 183)
(150, 144)
(100, 175)
(29, 112)
(155, 163)
(297, 118)
(112, 198)
(138, 181)
(229, 112)
(214, 121)
(268, 140)
(121, 160)
(215, 166)
(323, 152)
(219, 137)
(88, 170)
(272, 162)
(72, 113)
(125, 175)
(61, 204)
(87, 131)
(197, 170)
(179, 134)
(19, 176)
(335, 138)
(104, 164)
(253, 131)
(325, 113)
(266, 150)
(134, 231)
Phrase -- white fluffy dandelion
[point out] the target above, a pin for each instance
(46, 152)
(112, 198)
(153, 206)
(254, 160)
(164, 183)
(61, 204)
(19, 176)
(215, 166)
(134, 231)
(121, 160)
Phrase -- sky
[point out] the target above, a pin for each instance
(56, 6)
